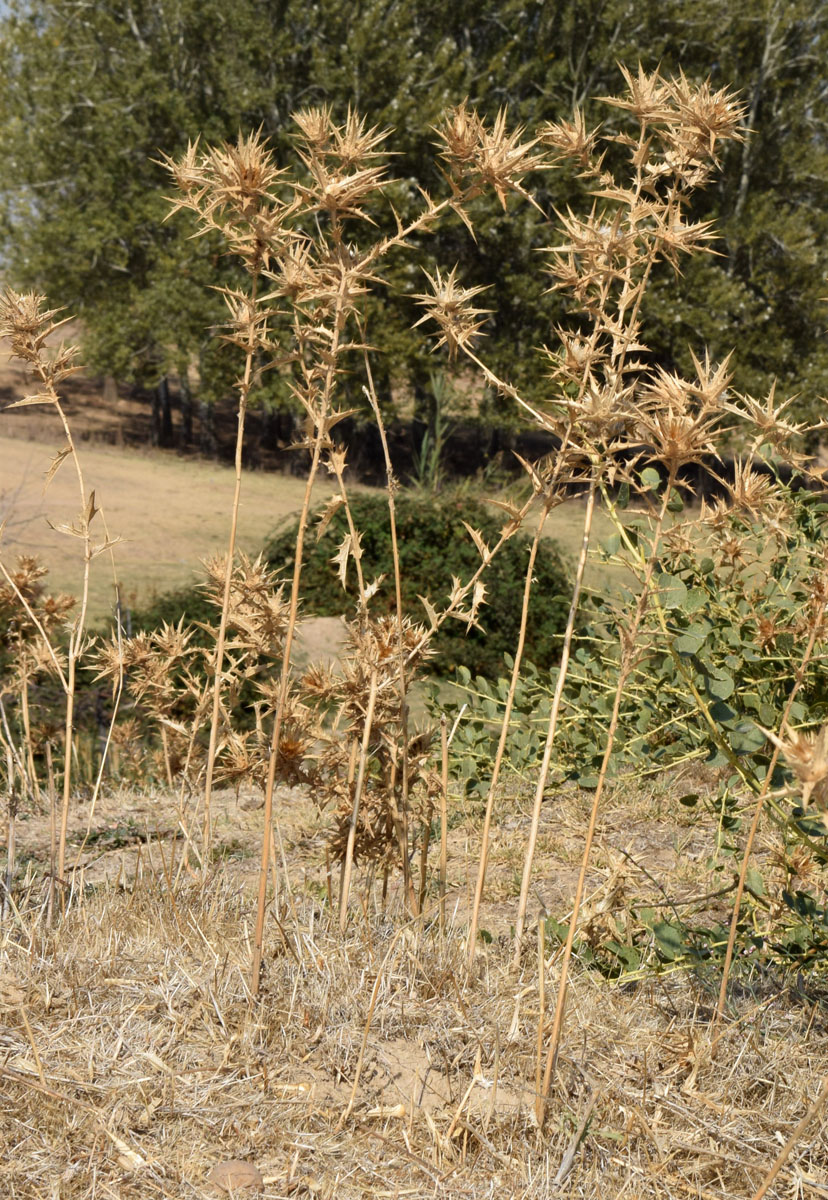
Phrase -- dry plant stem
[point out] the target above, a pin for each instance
(443, 820)
(360, 783)
(27, 729)
(400, 818)
(50, 775)
(74, 647)
(504, 736)
(757, 812)
(337, 462)
(293, 613)
(627, 663)
(116, 705)
(553, 719)
(541, 1000)
(10, 838)
(785, 1152)
(244, 392)
(424, 858)
(165, 746)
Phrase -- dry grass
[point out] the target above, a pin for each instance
(171, 512)
(133, 1060)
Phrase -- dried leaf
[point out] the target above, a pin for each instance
(341, 559)
(430, 611)
(331, 509)
(477, 538)
(62, 527)
(512, 509)
(30, 401)
(104, 546)
(55, 465)
(372, 589)
(91, 508)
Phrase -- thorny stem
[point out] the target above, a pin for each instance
(338, 325)
(400, 814)
(116, 705)
(360, 783)
(504, 736)
(627, 664)
(75, 638)
(244, 392)
(553, 718)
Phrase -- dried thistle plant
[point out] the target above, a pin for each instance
(315, 290)
(30, 655)
(169, 673)
(606, 406)
(604, 403)
(29, 325)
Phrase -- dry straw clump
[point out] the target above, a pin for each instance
(134, 1064)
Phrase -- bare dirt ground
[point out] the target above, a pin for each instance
(133, 1060)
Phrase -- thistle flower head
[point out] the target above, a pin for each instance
(571, 140)
(807, 756)
(481, 157)
(450, 305)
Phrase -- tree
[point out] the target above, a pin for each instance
(96, 92)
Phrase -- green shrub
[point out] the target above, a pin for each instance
(191, 603)
(433, 547)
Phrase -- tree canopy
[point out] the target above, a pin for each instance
(96, 94)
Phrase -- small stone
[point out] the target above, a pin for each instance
(236, 1176)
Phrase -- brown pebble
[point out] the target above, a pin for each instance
(236, 1176)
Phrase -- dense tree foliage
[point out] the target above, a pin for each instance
(95, 93)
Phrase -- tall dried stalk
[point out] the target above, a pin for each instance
(546, 762)
(391, 484)
(28, 324)
(629, 639)
(360, 782)
(244, 393)
(233, 190)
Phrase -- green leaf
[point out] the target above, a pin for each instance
(650, 479)
(672, 591)
(628, 955)
(689, 800)
(669, 940)
(697, 598)
(721, 685)
(754, 882)
(689, 642)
